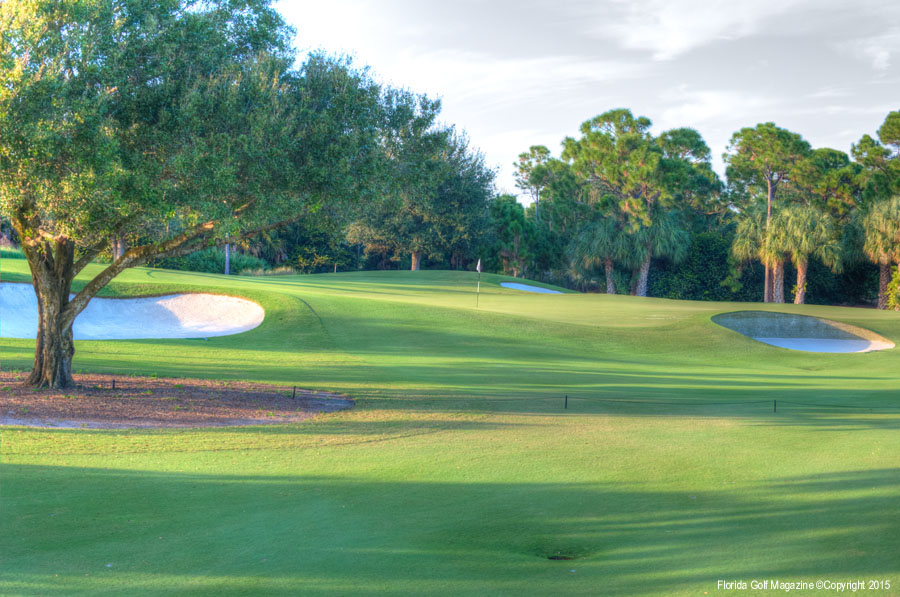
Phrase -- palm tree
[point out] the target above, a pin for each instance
(776, 258)
(754, 240)
(882, 241)
(750, 239)
(601, 242)
(665, 237)
(802, 231)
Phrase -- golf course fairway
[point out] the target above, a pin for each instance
(460, 471)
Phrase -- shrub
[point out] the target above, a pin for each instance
(703, 274)
(893, 291)
(212, 261)
(283, 270)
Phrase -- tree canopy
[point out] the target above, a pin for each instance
(182, 120)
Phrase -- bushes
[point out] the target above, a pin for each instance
(706, 275)
(857, 285)
(212, 261)
(703, 274)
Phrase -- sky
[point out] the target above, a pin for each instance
(516, 73)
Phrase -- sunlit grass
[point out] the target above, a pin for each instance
(460, 471)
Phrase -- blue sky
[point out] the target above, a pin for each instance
(518, 73)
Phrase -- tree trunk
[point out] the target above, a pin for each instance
(770, 292)
(118, 247)
(54, 346)
(778, 282)
(53, 267)
(800, 297)
(643, 277)
(416, 260)
(610, 278)
(884, 278)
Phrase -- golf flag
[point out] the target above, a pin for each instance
(478, 292)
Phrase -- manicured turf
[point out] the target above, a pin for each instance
(459, 472)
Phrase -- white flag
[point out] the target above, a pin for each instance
(478, 267)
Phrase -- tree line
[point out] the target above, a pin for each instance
(622, 210)
(619, 199)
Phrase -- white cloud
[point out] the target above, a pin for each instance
(698, 107)
(829, 92)
(668, 28)
(877, 50)
(534, 77)
(471, 76)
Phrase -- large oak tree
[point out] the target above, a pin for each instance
(182, 120)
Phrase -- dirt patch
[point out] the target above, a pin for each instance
(158, 402)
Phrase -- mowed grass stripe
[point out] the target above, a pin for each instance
(459, 471)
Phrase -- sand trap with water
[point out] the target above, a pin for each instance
(171, 316)
(802, 332)
(528, 288)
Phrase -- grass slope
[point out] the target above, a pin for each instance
(459, 471)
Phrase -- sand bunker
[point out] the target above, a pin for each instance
(172, 316)
(801, 332)
(528, 288)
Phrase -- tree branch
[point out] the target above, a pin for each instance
(89, 254)
(183, 244)
(131, 258)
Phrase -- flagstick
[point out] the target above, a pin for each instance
(478, 292)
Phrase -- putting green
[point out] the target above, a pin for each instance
(460, 471)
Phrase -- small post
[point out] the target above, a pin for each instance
(335, 268)
(775, 405)
(295, 393)
(567, 402)
(114, 383)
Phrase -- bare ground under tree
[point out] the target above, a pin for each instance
(158, 402)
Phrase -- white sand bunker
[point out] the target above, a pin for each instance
(172, 316)
(801, 332)
(528, 288)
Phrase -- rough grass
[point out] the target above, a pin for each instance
(10, 253)
(459, 471)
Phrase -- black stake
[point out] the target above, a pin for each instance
(775, 406)
(567, 402)
(295, 393)
(114, 383)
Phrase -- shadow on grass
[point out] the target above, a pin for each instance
(804, 399)
(182, 532)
